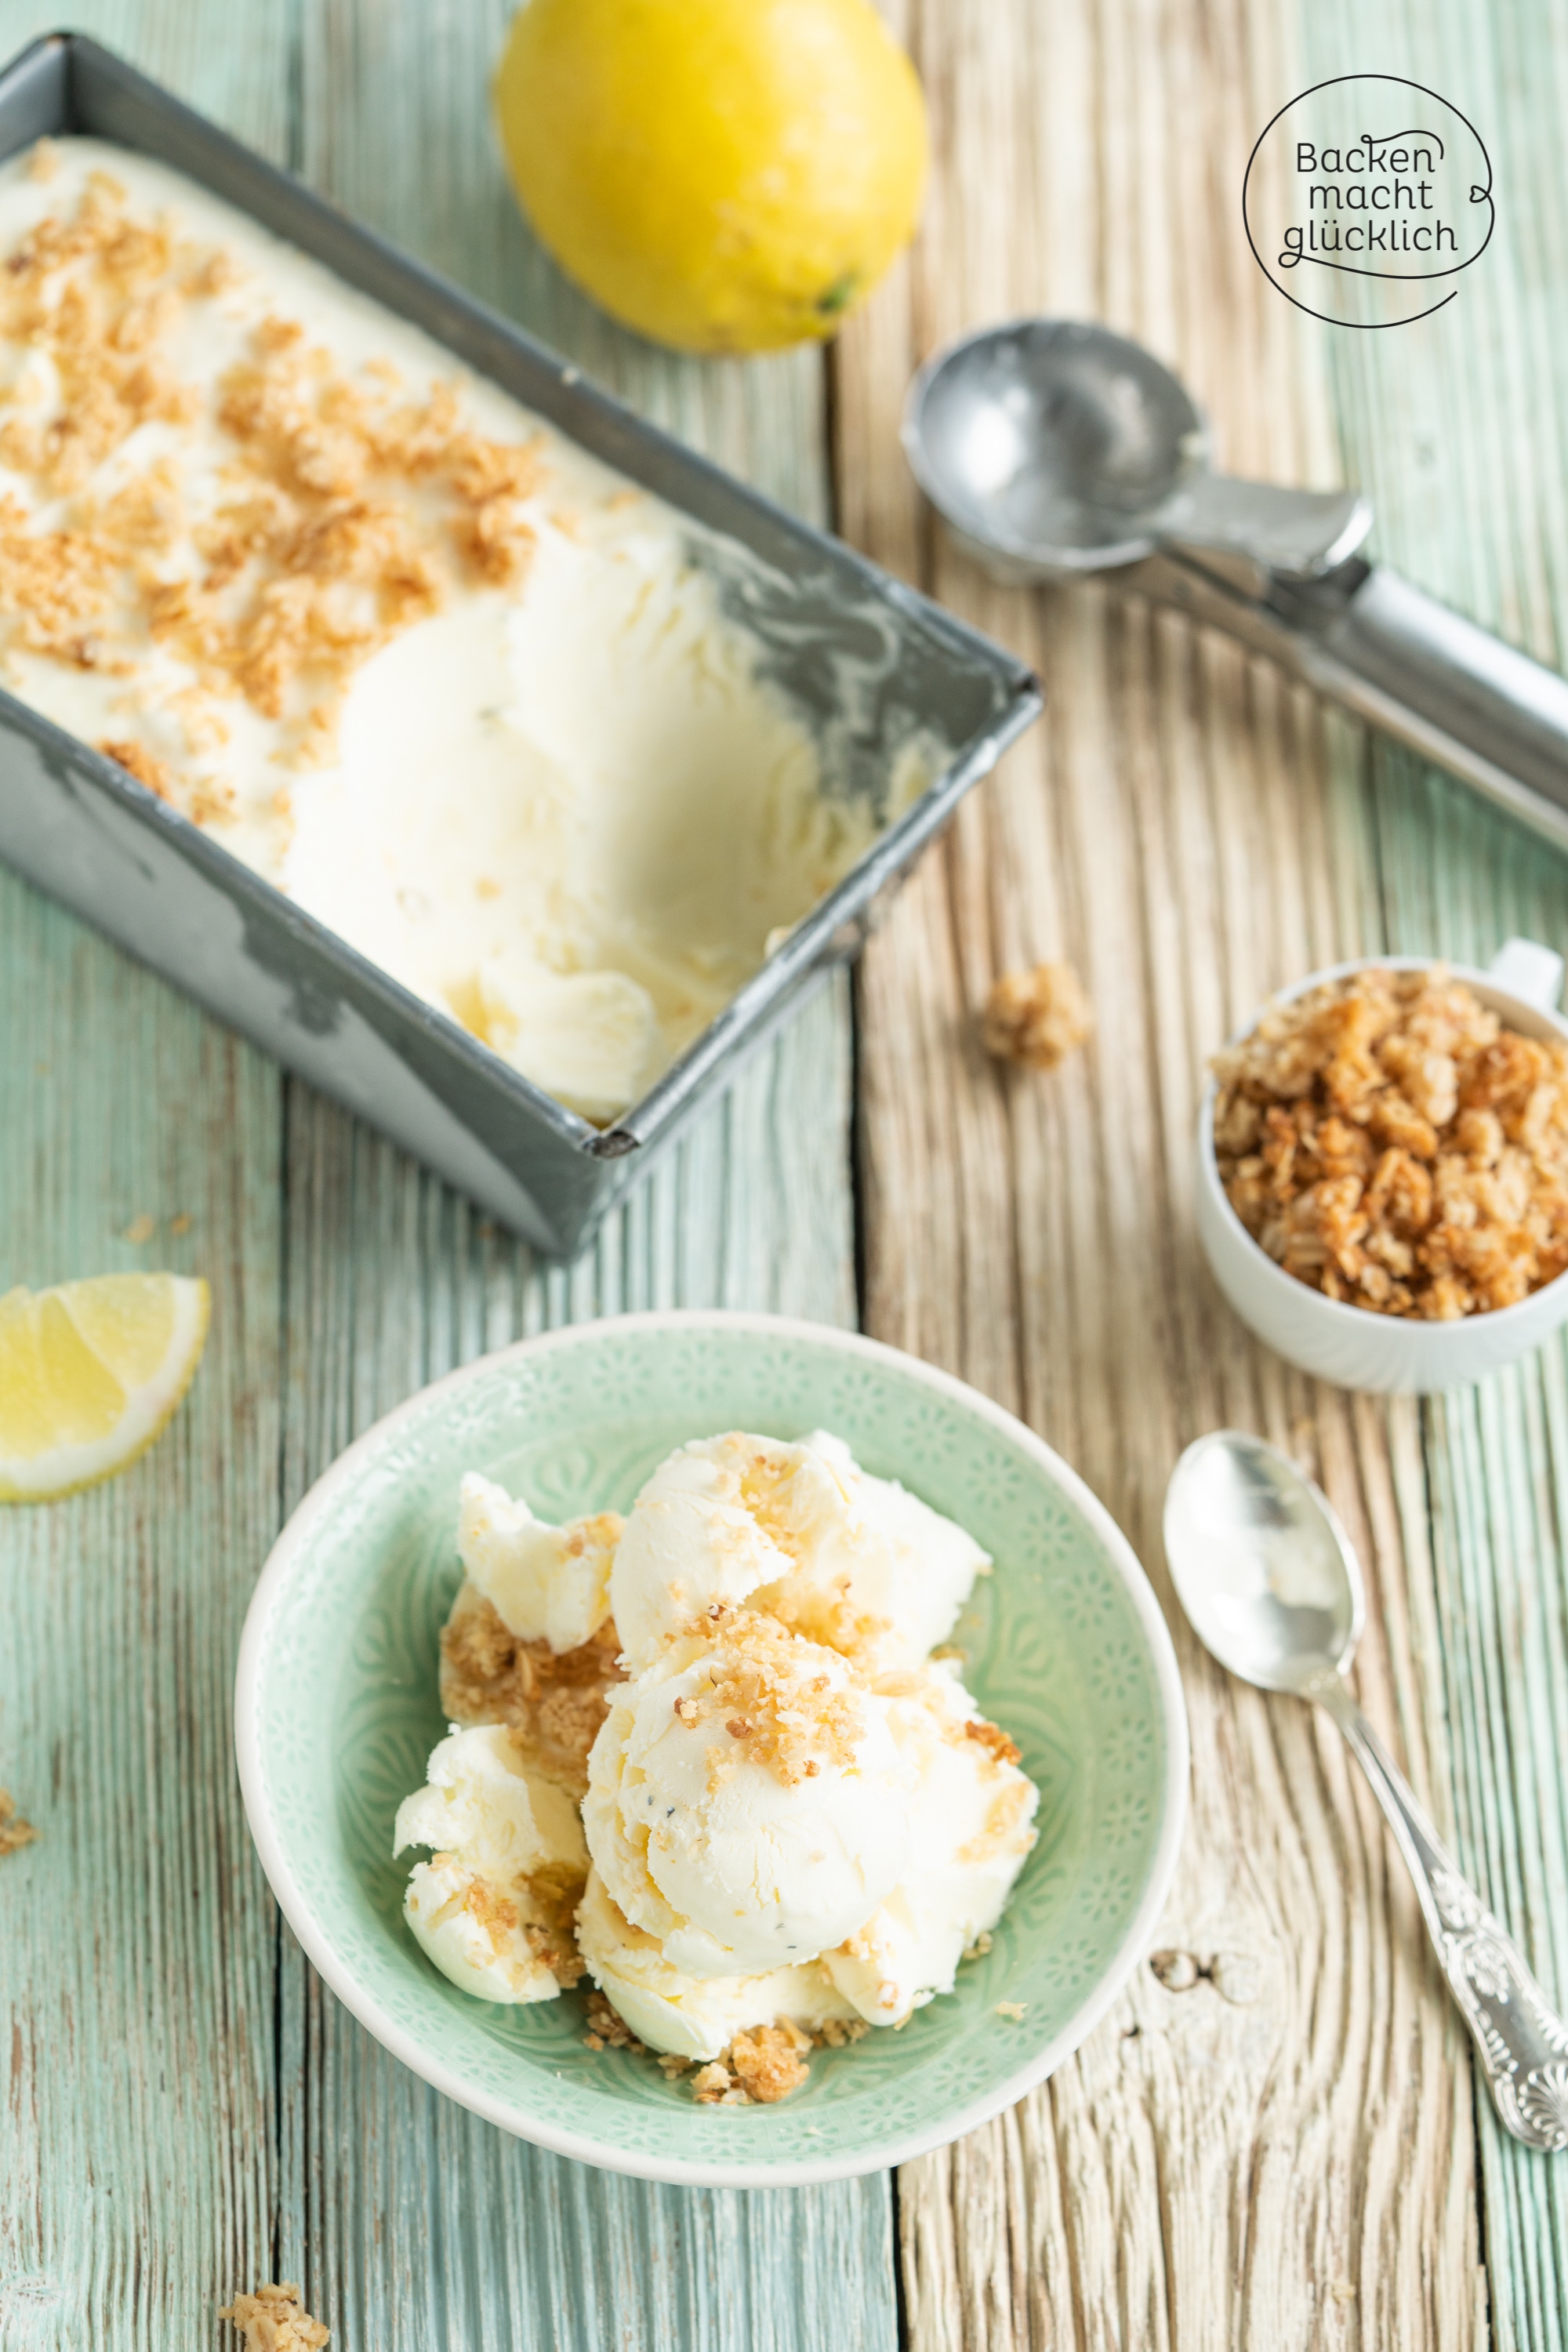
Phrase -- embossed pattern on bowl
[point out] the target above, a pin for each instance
(336, 1710)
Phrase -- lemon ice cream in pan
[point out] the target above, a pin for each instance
(706, 1756)
(456, 688)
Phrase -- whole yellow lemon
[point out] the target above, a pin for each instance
(725, 175)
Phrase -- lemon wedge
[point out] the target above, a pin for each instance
(90, 1373)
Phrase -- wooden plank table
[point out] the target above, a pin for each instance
(1286, 2153)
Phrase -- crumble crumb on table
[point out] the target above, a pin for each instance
(273, 2319)
(15, 1832)
(1037, 1017)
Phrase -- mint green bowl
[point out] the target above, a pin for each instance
(336, 1711)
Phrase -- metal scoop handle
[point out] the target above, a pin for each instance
(1402, 660)
(1301, 533)
(1451, 690)
(1393, 653)
(1521, 2041)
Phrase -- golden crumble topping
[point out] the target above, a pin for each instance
(776, 1703)
(345, 509)
(145, 766)
(832, 1619)
(57, 586)
(558, 1953)
(767, 1479)
(553, 1702)
(1038, 1017)
(273, 2319)
(15, 1832)
(607, 2029)
(992, 1738)
(1390, 1143)
(713, 2085)
(838, 2033)
(555, 1889)
(768, 2062)
(496, 1914)
(758, 2069)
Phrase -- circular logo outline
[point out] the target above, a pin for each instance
(1403, 276)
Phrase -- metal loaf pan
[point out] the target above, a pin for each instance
(866, 660)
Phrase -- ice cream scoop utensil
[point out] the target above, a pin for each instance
(1273, 1590)
(1054, 448)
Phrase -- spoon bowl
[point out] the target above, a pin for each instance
(1263, 1567)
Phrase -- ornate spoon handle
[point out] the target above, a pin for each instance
(1522, 2042)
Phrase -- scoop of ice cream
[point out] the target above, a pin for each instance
(747, 1804)
(692, 1543)
(493, 1906)
(874, 1572)
(477, 1938)
(800, 1531)
(695, 2017)
(546, 1583)
(482, 1803)
(974, 1807)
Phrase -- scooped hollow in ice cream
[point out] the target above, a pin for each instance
(493, 1906)
(589, 1038)
(505, 721)
(798, 1531)
(747, 1805)
(547, 1583)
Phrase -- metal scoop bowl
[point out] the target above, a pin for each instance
(1054, 450)
(1057, 448)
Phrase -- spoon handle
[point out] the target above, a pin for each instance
(1522, 2042)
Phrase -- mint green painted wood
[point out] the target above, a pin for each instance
(182, 2110)
(186, 2110)
(137, 1945)
(1454, 426)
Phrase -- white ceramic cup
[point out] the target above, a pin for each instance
(1351, 1345)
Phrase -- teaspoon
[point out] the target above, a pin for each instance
(1273, 1590)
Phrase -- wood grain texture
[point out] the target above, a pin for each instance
(191, 2110)
(1283, 2154)
(138, 2168)
(1471, 485)
(136, 1937)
